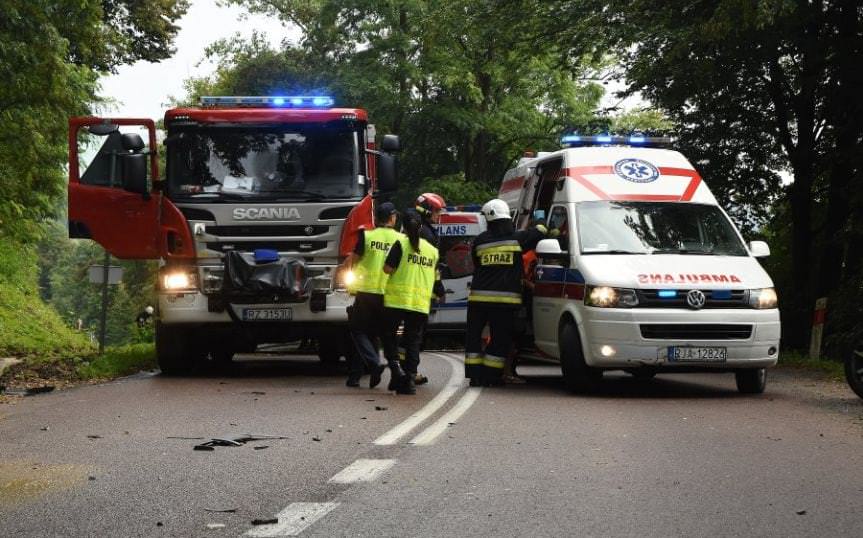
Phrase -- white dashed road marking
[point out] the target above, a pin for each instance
(455, 382)
(293, 520)
(362, 471)
(430, 434)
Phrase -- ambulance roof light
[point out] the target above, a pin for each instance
(274, 101)
(576, 140)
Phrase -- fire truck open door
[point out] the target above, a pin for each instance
(113, 201)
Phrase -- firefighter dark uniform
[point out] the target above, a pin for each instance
(408, 299)
(494, 300)
(369, 285)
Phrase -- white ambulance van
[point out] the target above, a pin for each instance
(457, 229)
(648, 274)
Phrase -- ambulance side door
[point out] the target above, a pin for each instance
(549, 295)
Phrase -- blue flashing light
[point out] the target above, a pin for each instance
(570, 139)
(667, 294)
(603, 139)
(637, 139)
(575, 140)
(296, 101)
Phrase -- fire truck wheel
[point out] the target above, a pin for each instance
(176, 350)
(751, 381)
(854, 370)
(577, 375)
(329, 350)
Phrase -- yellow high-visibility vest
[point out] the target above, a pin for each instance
(369, 271)
(410, 285)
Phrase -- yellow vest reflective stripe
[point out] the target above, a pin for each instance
(410, 285)
(369, 271)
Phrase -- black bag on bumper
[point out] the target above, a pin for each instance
(283, 279)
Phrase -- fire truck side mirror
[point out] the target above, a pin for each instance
(387, 175)
(391, 143)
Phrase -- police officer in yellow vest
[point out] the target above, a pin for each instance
(370, 281)
(412, 266)
(495, 296)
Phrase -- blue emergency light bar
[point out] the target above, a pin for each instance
(667, 294)
(576, 140)
(465, 207)
(275, 101)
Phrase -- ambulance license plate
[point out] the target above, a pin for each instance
(697, 354)
(267, 314)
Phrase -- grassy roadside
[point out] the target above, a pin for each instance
(833, 369)
(62, 370)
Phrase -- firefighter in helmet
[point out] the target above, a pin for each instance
(495, 296)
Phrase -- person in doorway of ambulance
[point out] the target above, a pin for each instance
(368, 287)
(412, 268)
(495, 296)
(536, 231)
(428, 208)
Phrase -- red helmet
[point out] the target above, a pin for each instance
(429, 201)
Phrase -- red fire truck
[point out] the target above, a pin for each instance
(261, 199)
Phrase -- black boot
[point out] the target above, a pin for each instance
(375, 375)
(407, 386)
(396, 375)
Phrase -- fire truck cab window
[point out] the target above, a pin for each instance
(298, 163)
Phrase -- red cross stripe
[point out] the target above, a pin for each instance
(578, 173)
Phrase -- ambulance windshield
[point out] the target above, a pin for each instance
(656, 228)
(298, 163)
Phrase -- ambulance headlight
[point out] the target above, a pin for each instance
(608, 297)
(763, 298)
(177, 279)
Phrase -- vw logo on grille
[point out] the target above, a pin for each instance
(696, 299)
(310, 230)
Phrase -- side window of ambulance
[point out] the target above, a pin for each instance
(101, 156)
(559, 220)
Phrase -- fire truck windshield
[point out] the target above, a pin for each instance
(298, 163)
(656, 228)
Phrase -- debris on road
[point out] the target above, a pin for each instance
(316, 438)
(801, 512)
(40, 390)
(44, 428)
(261, 447)
(380, 408)
(270, 521)
(221, 510)
(234, 440)
(94, 437)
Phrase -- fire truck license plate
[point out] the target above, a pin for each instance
(266, 314)
(697, 354)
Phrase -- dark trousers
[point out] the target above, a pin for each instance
(412, 337)
(364, 322)
(487, 364)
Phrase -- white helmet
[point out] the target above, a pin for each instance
(495, 210)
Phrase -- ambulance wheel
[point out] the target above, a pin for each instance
(176, 350)
(751, 381)
(577, 375)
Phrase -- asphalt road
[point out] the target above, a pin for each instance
(682, 455)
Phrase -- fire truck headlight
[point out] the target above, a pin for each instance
(763, 298)
(345, 279)
(179, 280)
(608, 297)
